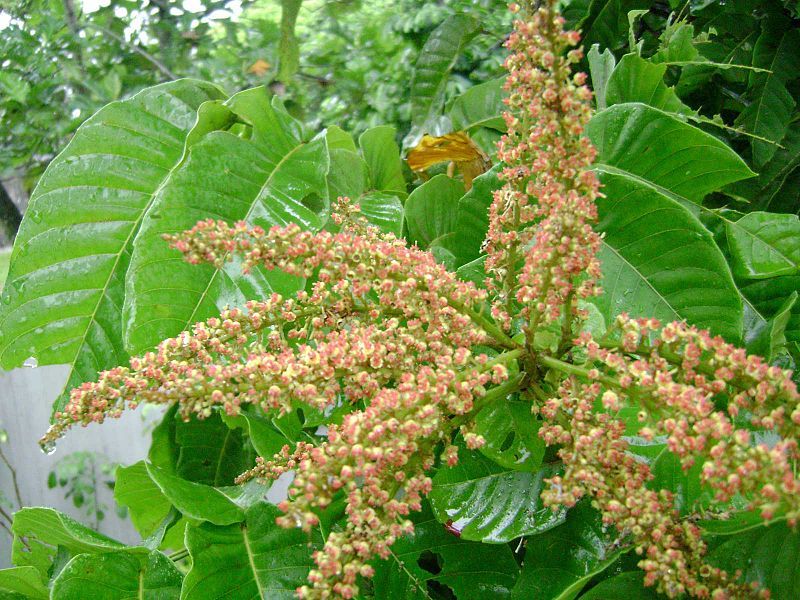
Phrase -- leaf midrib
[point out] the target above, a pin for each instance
(265, 186)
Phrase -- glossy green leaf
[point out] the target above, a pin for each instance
(652, 146)
(512, 435)
(607, 22)
(118, 576)
(473, 271)
(735, 523)
(23, 582)
(64, 306)
(269, 179)
(480, 106)
(670, 273)
(40, 532)
(146, 503)
(771, 339)
(638, 80)
(196, 500)
(433, 558)
(769, 555)
(433, 66)
(764, 245)
(384, 210)
(629, 585)
(560, 562)
(252, 559)
(769, 296)
(382, 154)
(431, 209)
(266, 438)
(472, 218)
(338, 138)
(489, 503)
(772, 105)
(601, 66)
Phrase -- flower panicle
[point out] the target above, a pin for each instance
(543, 214)
(672, 375)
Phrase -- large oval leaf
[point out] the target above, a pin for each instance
(431, 209)
(648, 144)
(511, 434)
(669, 272)
(263, 180)
(560, 562)
(118, 575)
(433, 558)
(488, 503)
(62, 301)
(764, 245)
(252, 559)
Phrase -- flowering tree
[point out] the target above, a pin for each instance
(409, 364)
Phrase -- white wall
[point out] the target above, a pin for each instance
(26, 396)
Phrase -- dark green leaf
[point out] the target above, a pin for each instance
(512, 435)
(472, 218)
(431, 209)
(64, 307)
(769, 296)
(489, 503)
(638, 80)
(629, 586)
(23, 582)
(252, 559)
(771, 339)
(649, 145)
(147, 505)
(769, 555)
(118, 575)
(434, 557)
(195, 500)
(600, 66)
(433, 66)
(267, 178)
(764, 245)
(480, 106)
(382, 154)
(560, 562)
(670, 273)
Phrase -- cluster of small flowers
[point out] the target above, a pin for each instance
(597, 463)
(377, 460)
(673, 375)
(548, 178)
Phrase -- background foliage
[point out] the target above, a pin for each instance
(699, 153)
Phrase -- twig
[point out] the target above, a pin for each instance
(13, 477)
(143, 53)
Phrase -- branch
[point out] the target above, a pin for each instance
(135, 48)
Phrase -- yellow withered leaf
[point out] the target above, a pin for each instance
(456, 148)
(259, 68)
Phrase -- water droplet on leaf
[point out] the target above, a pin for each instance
(48, 447)
(36, 216)
(31, 362)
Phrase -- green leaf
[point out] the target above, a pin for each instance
(118, 575)
(769, 297)
(40, 532)
(771, 339)
(431, 209)
(472, 218)
(674, 272)
(64, 307)
(433, 66)
(607, 22)
(338, 138)
(652, 146)
(268, 180)
(601, 66)
(146, 504)
(638, 80)
(769, 555)
(771, 108)
(738, 522)
(23, 582)
(628, 585)
(480, 106)
(512, 435)
(764, 245)
(473, 271)
(252, 559)
(195, 500)
(382, 154)
(265, 437)
(560, 562)
(489, 503)
(384, 210)
(432, 557)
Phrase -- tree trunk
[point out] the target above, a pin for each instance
(10, 217)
